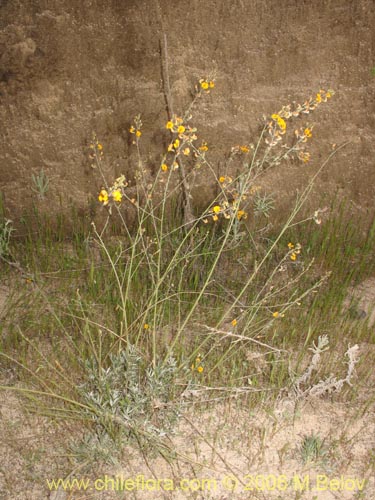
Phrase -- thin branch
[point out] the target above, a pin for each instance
(187, 212)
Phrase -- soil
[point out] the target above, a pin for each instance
(226, 441)
(69, 68)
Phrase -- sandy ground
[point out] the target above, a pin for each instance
(222, 447)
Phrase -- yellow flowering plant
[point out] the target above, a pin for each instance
(195, 245)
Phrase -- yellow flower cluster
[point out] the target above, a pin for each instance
(225, 180)
(227, 210)
(96, 151)
(203, 147)
(241, 149)
(235, 207)
(185, 137)
(115, 192)
(294, 251)
(303, 134)
(310, 105)
(133, 130)
(173, 146)
(176, 125)
(104, 196)
(277, 126)
(304, 156)
(136, 127)
(197, 366)
(280, 122)
(206, 84)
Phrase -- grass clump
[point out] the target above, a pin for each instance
(312, 449)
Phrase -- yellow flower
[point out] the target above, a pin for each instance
(138, 133)
(186, 151)
(293, 256)
(276, 314)
(164, 167)
(216, 209)
(215, 218)
(176, 143)
(308, 132)
(328, 94)
(318, 98)
(169, 125)
(170, 147)
(204, 147)
(204, 85)
(222, 179)
(290, 245)
(100, 147)
(103, 197)
(281, 123)
(146, 326)
(181, 129)
(306, 157)
(241, 214)
(212, 84)
(244, 149)
(132, 129)
(200, 369)
(117, 195)
(234, 322)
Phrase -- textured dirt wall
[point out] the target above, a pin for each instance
(69, 67)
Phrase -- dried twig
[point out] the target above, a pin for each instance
(238, 338)
(187, 212)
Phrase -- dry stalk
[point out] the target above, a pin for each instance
(187, 212)
(215, 331)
